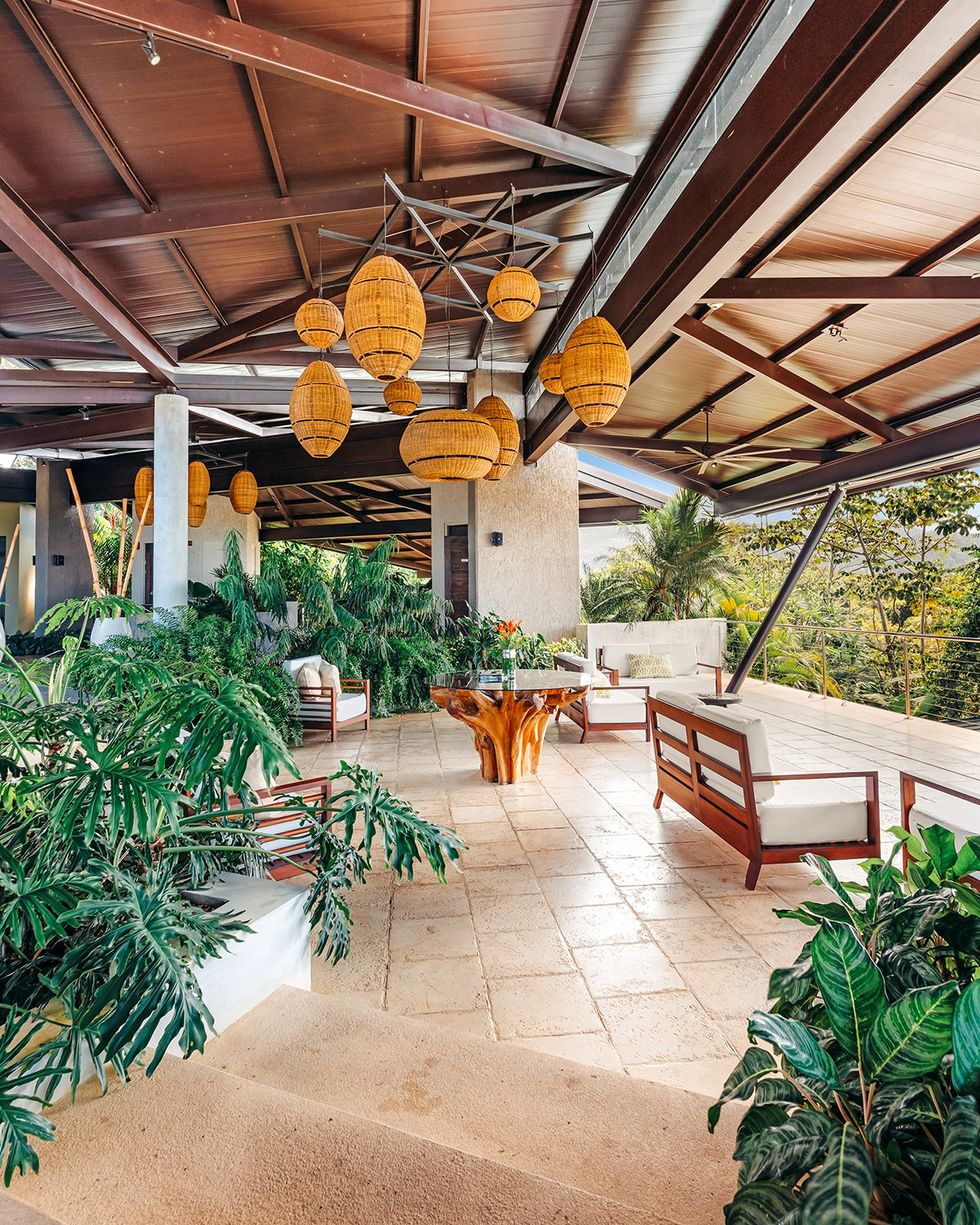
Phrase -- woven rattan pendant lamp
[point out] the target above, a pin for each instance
(550, 374)
(513, 294)
(595, 371)
(504, 425)
(402, 396)
(198, 488)
(243, 492)
(142, 488)
(384, 317)
(319, 323)
(320, 409)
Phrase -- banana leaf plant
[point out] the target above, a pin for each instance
(122, 788)
(864, 1091)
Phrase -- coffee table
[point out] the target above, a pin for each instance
(508, 717)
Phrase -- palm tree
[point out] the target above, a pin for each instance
(679, 556)
(608, 595)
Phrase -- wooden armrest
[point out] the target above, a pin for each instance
(612, 673)
(782, 778)
(641, 688)
(300, 786)
(716, 669)
(922, 781)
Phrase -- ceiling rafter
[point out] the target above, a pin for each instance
(420, 63)
(314, 66)
(574, 49)
(852, 289)
(86, 111)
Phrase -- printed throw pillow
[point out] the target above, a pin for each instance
(650, 667)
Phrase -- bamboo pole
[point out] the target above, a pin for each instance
(10, 558)
(136, 542)
(83, 523)
(122, 548)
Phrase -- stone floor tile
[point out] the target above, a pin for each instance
(752, 912)
(522, 912)
(595, 889)
(519, 953)
(704, 1076)
(686, 940)
(501, 882)
(585, 926)
(627, 969)
(779, 949)
(667, 1027)
(666, 902)
(618, 846)
(593, 1049)
(563, 863)
(496, 855)
(489, 833)
(565, 839)
(539, 801)
(701, 853)
(431, 901)
(476, 814)
(538, 818)
(476, 1022)
(446, 985)
(651, 870)
(589, 826)
(428, 939)
(542, 1005)
(733, 989)
(716, 880)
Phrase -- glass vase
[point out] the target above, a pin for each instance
(509, 670)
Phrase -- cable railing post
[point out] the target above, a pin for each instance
(823, 662)
(908, 691)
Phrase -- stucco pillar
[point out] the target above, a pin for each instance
(534, 574)
(62, 571)
(170, 431)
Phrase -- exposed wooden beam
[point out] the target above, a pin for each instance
(34, 242)
(61, 431)
(250, 215)
(18, 485)
(55, 347)
(589, 515)
(574, 49)
(307, 64)
(376, 528)
(280, 506)
(256, 321)
(804, 114)
(765, 368)
(420, 63)
(863, 289)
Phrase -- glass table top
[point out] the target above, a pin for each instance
(526, 679)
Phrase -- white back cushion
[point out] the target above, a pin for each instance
(329, 676)
(683, 655)
(688, 703)
(755, 733)
(292, 666)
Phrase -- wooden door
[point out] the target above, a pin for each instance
(458, 569)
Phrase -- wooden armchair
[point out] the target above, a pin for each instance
(614, 708)
(715, 764)
(325, 707)
(284, 828)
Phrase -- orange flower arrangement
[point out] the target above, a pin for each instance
(506, 629)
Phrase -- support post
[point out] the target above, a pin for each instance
(807, 550)
(170, 438)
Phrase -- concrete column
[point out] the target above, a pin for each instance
(534, 574)
(62, 571)
(169, 501)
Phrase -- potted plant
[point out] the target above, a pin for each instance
(864, 1092)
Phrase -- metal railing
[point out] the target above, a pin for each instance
(933, 676)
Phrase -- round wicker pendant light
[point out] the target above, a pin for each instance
(402, 396)
(319, 323)
(198, 488)
(243, 492)
(142, 488)
(507, 430)
(513, 294)
(595, 370)
(320, 409)
(550, 374)
(446, 444)
(384, 316)
(196, 513)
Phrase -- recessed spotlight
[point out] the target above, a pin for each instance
(149, 46)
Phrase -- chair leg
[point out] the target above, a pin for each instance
(585, 732)
(658, 799)
(752, 875)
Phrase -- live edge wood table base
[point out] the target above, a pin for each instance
(508, 724)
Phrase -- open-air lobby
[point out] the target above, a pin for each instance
(490, 612)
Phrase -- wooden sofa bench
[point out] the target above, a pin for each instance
(951, 807)
(715, 764)
(609, 706)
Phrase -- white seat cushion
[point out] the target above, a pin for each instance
(812, 810)
(350, 705)
(614, 705)
(960, 817)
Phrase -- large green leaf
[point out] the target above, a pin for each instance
(956, 1181)
(755, 1121)
(966, 1041)
(763, 1203)
(785, 1153)
(852, 987)
(829, 877)
(800, 1047)
(911, 1037)
(754, 1065)
(839, 1193)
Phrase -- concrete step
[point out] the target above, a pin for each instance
(634, 1142)
(196, 1146)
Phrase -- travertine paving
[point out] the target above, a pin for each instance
(583, 922)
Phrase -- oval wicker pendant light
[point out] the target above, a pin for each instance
(595, 370)
(507, 430)
(320, 409)
(198, 488)
(319, 323)
(402, 396)
(514, 294)
(142, 488)
(243, 492)
(550, 374)
(384, 317)
(447, 444)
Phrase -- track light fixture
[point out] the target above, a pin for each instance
(149, 45)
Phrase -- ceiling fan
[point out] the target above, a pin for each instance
(734, 455)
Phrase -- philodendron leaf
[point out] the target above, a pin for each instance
(956, 1181)
(851, 984)
(763, 1203)
(911, 1037)
(839, 1193)
(752, 1067)
(796, 1042)
(966, 1041)
(941, 846)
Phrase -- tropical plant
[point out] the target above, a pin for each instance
(865, 1092)
(477, 642)
(609, 594)
(787, 661)
(112, 807)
